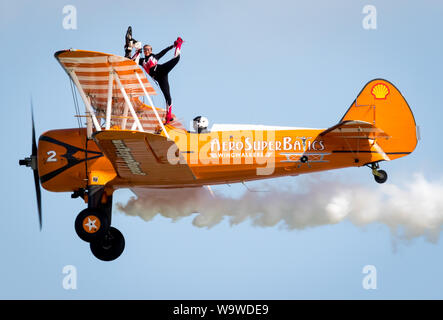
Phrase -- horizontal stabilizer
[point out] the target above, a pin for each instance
(354, 129)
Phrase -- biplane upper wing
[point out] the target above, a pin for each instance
(354, 129)
(144, 158)
(96, 73)
(92, 70)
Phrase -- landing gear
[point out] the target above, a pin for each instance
(109, 247)
(93, 225)
(380, 176)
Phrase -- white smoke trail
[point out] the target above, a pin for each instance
(410, 211)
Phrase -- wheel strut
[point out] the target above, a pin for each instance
(93, 225)
(380, 176)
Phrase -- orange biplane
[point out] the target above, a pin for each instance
(126, 145)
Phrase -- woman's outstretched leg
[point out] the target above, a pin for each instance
(164, 87)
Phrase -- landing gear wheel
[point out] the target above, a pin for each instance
(381, 177)
(110, 247)
(91, 224)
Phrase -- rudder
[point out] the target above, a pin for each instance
(381, 104)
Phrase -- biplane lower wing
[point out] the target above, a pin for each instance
(143, 158)
(163, 195)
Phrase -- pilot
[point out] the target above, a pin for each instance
(200, 124)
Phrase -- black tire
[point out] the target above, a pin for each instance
(110, 247)
(98, 224)
(382, 178)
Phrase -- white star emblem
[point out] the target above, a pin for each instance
(91, 224)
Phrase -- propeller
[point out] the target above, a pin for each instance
(31, 161)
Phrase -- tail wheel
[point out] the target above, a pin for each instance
(91, 224)
(110, 246)
(381, 176)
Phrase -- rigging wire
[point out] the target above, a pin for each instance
(75, 98)
(77, 111)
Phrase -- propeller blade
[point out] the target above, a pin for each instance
(38, 192)
(34, 143)
(39, 196)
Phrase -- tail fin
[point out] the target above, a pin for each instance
(381, 104)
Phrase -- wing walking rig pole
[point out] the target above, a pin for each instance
(128, 102)
(151, 104)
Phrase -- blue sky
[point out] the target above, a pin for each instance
(289, 63)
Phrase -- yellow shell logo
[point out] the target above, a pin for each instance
(380, 91)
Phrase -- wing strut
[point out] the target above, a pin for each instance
(109, 105)
(128, 103)
(85, 100)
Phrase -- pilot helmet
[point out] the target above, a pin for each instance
(200, 124)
